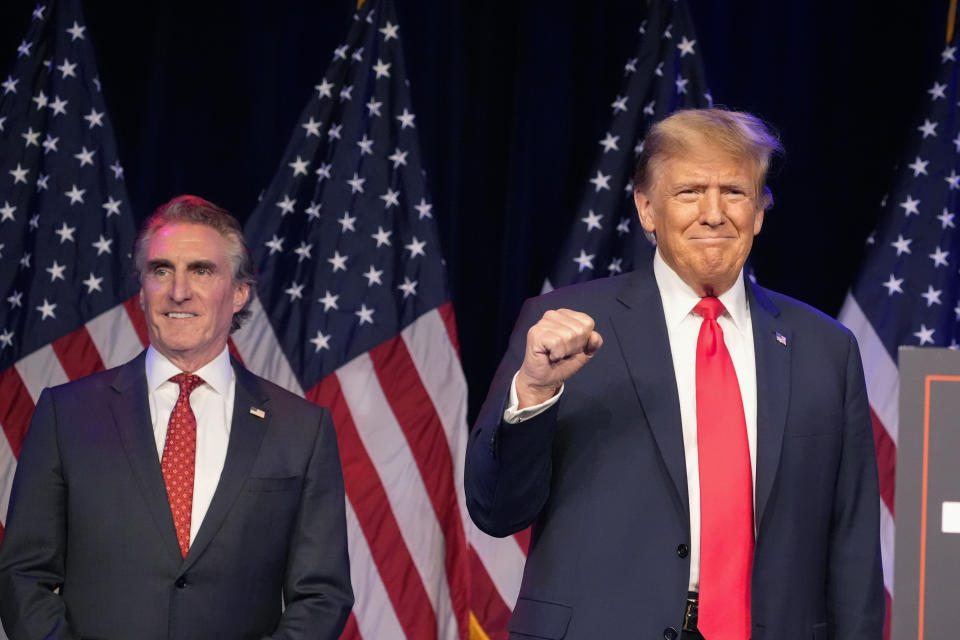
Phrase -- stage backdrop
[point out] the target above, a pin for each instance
(511, 101)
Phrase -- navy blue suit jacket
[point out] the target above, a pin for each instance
(602, 478)
(89, 515)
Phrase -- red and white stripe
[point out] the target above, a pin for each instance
(419, 567)
(106, 341)
(883, 391)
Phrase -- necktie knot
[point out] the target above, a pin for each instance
(709, 308)
(188, 382)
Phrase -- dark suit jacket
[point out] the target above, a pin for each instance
(601, 475)
(89, 515)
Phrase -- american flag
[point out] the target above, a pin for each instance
(908, 292)
(65, 227)
(353, 312)
(665, 75)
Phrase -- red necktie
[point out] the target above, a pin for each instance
(179, 458)
(726, 487)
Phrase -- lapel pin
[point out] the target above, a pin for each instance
(782, 339)
(257, 412)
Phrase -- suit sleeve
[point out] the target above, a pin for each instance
(317, 591)
(855, 580)
(509, 466)
(34, 543)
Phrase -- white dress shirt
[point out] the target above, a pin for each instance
(212, 405)
(683, 328)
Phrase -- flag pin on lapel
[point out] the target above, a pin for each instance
(782, 339)
(261, 414)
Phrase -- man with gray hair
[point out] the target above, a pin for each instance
(710, 472)
(178, 495)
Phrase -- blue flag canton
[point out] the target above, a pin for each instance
(344, 237)
(666, 75)
(65, 223)
(909, 284)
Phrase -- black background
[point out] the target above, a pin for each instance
(511, 99)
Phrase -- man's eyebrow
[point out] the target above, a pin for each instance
(744, 185)
(738, 180)
(208, 265)
(158, 262)
(687, 184)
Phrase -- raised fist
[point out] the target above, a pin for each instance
(557, 346)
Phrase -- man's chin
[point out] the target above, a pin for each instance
(713, 278)
(179, 349)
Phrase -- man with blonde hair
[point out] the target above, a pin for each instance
(710, 472)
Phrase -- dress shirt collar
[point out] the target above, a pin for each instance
(679, 298)
(218, 373)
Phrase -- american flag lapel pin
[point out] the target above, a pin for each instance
(260, 413)
(782, 339)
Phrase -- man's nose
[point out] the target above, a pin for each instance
(180, 290)
(711, 208)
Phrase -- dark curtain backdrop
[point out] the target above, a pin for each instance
(511, 99)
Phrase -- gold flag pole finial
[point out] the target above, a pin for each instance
(951, 20)
(360, 4)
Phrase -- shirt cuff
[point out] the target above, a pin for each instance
(513, 415)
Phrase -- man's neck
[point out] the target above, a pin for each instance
(160, 367)
(668, 276)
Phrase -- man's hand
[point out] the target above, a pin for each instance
(557, 346)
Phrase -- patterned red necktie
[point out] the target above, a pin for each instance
(726, 487)
(179, 458)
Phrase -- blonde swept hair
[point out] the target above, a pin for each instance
(740, 134)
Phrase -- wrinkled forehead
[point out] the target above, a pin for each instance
(703, 154)
(197, 241)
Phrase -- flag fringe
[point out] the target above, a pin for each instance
(476, 631)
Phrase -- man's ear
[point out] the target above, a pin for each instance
(142, 307)
(644, 210)
(240, 296)
(758, 221)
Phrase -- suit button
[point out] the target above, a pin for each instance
(670, 633)
(181, 583)
(683, 551)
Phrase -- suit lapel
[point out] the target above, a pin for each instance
(131, 414)
(642, 333)
(246, 434)
(772, 340)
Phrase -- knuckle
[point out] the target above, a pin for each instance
(552, 341)
(585, 320)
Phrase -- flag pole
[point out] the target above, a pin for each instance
(951, 19)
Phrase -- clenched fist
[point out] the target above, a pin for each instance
(557, 346)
